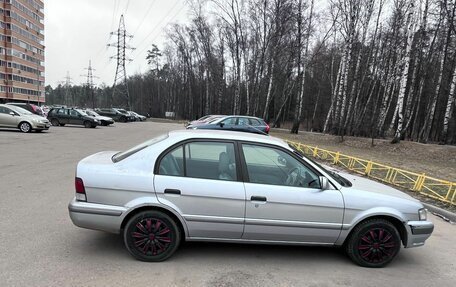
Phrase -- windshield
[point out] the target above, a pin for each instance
(19, 110)
(122, 155)
(123, 111)
(340, 179)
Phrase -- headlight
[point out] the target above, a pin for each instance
(422, 214)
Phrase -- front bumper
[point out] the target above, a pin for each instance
(96, 216)
(41, 126)
(418, 232)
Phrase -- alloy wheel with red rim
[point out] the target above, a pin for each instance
(151, 236)
(377, 245)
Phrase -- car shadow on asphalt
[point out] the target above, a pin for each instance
(99, 244)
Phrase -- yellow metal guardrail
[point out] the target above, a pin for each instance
(441, 190)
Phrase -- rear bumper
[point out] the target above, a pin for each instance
(96, 216)
(418, 232)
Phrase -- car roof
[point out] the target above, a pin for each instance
(228, 135)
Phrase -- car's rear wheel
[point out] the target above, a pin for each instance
(373, 243)
(87, 124)
(55, 122)
(151, 236)
(25, 127)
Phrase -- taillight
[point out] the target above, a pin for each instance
(267, 128)
(80, 189)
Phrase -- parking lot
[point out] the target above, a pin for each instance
(41, 247)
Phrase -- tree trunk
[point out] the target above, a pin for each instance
(405, 71)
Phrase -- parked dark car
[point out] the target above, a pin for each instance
(64, 116)
(235, 123)
(119, 115)
(204, 120)
(105, 121)
(34, 109)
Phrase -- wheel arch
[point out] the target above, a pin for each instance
(398, 224)
(25, 121)
(177, 219)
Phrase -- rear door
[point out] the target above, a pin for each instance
(200, 180)
(62, 116)
(284, 199)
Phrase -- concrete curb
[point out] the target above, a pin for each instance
(448, 214)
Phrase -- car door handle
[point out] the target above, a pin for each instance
(258, 198)
(172, 191)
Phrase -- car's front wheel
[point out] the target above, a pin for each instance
(25, 127)
(151, 236)
(87, 124)
(373, 243)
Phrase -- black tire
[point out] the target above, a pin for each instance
(87, 124)
(93, 126)
(62, 125)
(55, 122)
(373, 243)
(123, 119)
(25, 127)
(141, 236)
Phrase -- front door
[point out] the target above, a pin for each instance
(75, 118)
(8, 120)
(200, 180)
(284, 199)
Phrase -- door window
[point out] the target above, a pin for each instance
(4, 110)
(268, 165)
(211, 160)
(61, 112)
(74, 113)
(229, 121)
(243, 122)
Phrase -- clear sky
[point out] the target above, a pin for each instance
(77, 31)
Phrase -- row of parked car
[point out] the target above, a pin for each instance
(230, 123)
(29, 117)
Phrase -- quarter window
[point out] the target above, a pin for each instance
(172, 163)
(266, 165)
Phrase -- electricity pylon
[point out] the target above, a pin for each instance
(89, 83)
(67, 84)
(120, 85)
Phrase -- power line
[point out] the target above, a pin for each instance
(126, 8)
(144, 18)
(156, 36)
(156, 26)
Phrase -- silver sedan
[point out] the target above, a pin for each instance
(244, 188)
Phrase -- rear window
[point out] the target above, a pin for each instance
(123, 155)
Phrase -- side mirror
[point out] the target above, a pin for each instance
(324, 183)
(12, 113)
(221, 125)
(282, 160)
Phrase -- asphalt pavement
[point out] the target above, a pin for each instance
(39, 245)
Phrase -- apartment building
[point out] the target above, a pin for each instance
(22, 51)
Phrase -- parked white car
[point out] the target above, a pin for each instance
(239, 187)
(19, 118)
